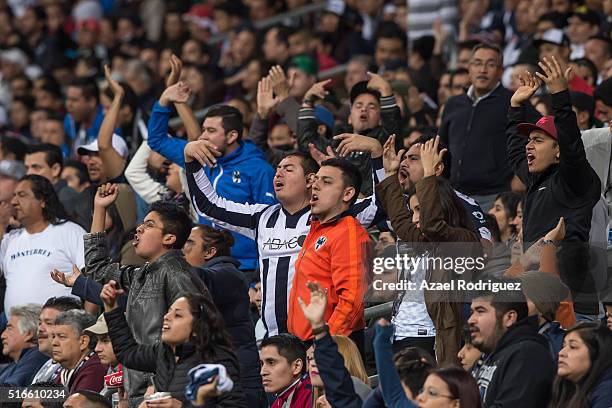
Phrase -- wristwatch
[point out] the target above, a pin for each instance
(547, 242)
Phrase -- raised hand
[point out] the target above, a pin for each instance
(278, 80)
(203, 151)
(314, 312)
(266, 102)
(378, 83)
(109, 295)
(177, 93)
(207, 391)
(106, 195)
(318, 155)
(554, 77)
(558, 233)
(391, 159)
(317, 90)
(62, 279)
(351, 142)
(114, 86)
(529, 86)
(175, 70)
(430, 157)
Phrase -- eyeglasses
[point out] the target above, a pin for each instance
(488, 64)
(432, 393)
(147, 225)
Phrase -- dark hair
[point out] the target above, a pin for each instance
(603, 92)
(95, 400)
(48, 385)
(504, 301)
(350, 174)
(43, 190)
(231, 118)
(88, 88)
(12, 145)
(288, 346)
(81, 169)
(309, 165)
(461, 385)
(282, 33)
(559, 20)
(467, 45)
(510, 201)
(452, 206)
(54, 116)
(222, 240)
(489, 46)
(208, 329)
(598, 339)
(493, 227)
(62, 303)
(27, 101)
(458, 71)
(390, 29)
(129, 96)
(466, 335)
(176, 221)
(413, 365)
(446, 159)
(53, 154)
(587, 63)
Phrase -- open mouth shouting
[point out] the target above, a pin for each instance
(314, 199)
(278, 185)
(530, 159)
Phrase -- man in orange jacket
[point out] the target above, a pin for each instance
(336, 254)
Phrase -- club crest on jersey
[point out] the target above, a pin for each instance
(320, 242)
(236, 177)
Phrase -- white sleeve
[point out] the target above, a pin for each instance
(136, 174)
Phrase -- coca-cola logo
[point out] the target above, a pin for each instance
(114, 380)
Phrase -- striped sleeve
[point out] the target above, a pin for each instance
(368, 211)
(237, 217)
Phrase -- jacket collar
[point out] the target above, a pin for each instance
(185, 350)
(221, 259)
(333, 220)
(476, 99)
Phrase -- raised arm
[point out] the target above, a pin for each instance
(517, 113)
(241, 218)
(185, 112)
(129, 353)
(138, 177)
(339, 389)
(574, 167)
(390, 114)
(307, 124)
(388, 378)
(97, 261)
(431, 221)
(114, 163)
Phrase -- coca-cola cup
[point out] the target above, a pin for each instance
(114, 380)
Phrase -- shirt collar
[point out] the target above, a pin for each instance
(475, 99)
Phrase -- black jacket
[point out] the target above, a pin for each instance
(391, 123)
(151, 290)
(520, 371)
(476, 140)
(569, 189)
(170, 372)
(229, 289)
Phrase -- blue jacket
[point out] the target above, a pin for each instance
(243, 176)
(388, 378)
(20, 373)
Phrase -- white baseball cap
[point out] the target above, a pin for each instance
(118, 144)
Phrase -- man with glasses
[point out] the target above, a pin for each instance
(165, 277)
(474, 129)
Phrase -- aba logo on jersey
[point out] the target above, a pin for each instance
(320, 242)
(236, 176)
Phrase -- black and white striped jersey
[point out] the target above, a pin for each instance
(279, 236)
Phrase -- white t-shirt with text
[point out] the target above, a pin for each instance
(28, 259)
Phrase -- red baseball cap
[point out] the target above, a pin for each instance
(546, 124)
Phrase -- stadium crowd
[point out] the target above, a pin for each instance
(295, 204)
